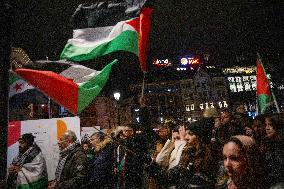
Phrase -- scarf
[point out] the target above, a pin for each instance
(27, 156)
(63, 155)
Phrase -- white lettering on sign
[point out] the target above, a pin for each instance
(242, 83)
(187, 108)
(206, 105)
(192, 107)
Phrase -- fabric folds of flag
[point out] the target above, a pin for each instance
(70, 85)
(130, 36)
(17, 85)
(264, 93)
(33, 175)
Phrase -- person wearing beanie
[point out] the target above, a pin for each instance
(28, 168)
(243, 163)
(197, 166)
(203, 129)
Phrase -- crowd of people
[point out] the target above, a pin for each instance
(222, 150)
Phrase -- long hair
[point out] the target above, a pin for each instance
(277, 120)
(201, 157)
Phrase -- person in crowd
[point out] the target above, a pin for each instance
(211, 113)
(258, 126)
(131, 155)
(197, 166)
(248, 131)
(71, 170)
(87, 148)
(228, 128)
(101, 166)
(273, 148)
(28, 168)
(164, 133)
(241, 117)
(243, 163)
(170, 154)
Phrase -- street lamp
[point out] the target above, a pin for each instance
(116, 96)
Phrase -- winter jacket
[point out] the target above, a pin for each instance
(131, 157)
(184, 175)
(101, 167)
(170, 154)
(74, 172)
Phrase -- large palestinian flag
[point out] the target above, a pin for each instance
(264, 94)
(70, 85)
(129, 36)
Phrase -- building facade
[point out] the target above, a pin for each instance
(184, 100)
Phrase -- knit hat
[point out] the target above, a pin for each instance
(202, 128)
(28, 138)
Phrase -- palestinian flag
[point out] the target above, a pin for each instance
(33, 175)
(70, 85)
(264, 93)
(129, 36)
(17, 85)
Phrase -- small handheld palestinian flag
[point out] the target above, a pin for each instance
(265, 96)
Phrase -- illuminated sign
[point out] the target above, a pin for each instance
(242, 83)
(206, 105)
(247, 70)
(189, 61)
(162, 62)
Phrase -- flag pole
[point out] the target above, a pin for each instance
(275, 102)
(49, 102)
(256, 104)
(143, 84)
(49, 108)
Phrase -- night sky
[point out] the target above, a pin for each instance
(222, 28)
(42, 28)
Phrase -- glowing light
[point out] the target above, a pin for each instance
(162, 62)
(189, 61)
(116, 96)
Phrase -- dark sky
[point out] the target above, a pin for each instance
(222, 28)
